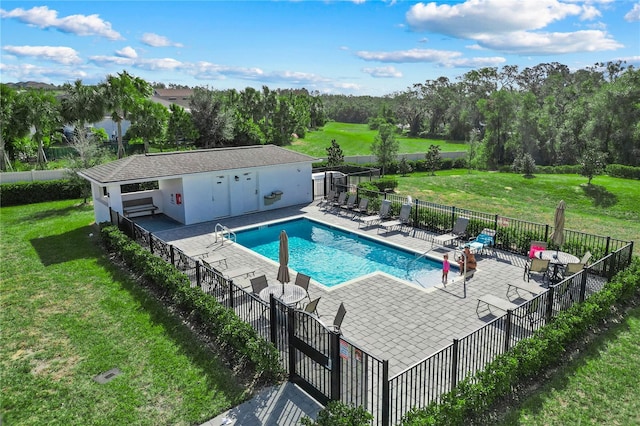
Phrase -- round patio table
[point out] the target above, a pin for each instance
(557, 259)
(292, 293)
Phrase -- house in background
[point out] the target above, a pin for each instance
(203, 185)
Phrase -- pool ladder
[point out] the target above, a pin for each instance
(223, 233)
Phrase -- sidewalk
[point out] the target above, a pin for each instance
(281, 405)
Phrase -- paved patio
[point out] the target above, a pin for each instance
(389, 318)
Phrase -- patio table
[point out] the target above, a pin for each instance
(557, 259)
(292, 293)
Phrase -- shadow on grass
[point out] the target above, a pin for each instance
(600, 196)
(64, 247)
(542, 390)
(52, 213)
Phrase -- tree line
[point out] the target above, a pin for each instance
(546, 114)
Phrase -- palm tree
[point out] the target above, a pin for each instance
(120, 94)
(81, 104)
(40, 111)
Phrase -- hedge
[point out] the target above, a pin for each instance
(220, 322)
(21, 193)
(469, 401)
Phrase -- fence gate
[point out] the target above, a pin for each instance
(314, 356)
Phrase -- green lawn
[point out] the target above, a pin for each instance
(356, 139)
(67, 314)
(608, 207)
(600, 387)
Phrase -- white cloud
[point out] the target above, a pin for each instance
(158, 64)
(59, 54)
(155, 40)
(589, 13)
(412, 55)
(523, 42)
(383, 72)
(127, 52)
(82, 25)
(108, 60)
(473, 17)
(634, 14)
(26, 72)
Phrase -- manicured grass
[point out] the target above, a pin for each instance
(608, 207)
(67, 314)
(600, 387)
(356, 139)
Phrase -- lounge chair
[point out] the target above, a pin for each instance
(328, 199)
(484, 240)
(586, 258)
(350, 203)
(403, 219)
(385, 209)
(538, 266)
(362, 208)
(458, 231)
(340, 201)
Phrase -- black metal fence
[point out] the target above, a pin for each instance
(331, 367)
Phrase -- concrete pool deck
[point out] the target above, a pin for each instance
(386, 317)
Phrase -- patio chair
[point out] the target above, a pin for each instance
(350, 203)
(337, 321)
(312, 307)
(535, 247)
(572, 269)
(458, 231)
(362, 207)
(302, 280)
(385, 209)
(586, 258)
(484, 240)
(403, 219)
(537, 266)
(258, 284)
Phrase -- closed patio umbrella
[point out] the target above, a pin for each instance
(283, 257)
(558, 224)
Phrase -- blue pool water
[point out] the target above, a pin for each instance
(331, 256)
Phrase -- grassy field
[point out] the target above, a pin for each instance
(608, 207)
(356, 139)
(599, 387)
(68, 314)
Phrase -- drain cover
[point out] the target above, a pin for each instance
(107, 376)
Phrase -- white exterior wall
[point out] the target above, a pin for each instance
(294, 180)
(169, 188)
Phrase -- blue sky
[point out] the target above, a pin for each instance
(350, 47)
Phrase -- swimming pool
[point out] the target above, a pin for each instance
(332, 256)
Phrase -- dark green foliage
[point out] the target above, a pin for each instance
(625, 172)
(337, 413)
(404, 168)
(221, 323)
(432, 159)
(592, 164)
(335, 156)
(524, 164)
(20, 193)
(467, 404)
(385, 184)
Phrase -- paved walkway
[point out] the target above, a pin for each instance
(387, 317)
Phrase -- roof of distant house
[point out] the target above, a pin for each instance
(145, 167)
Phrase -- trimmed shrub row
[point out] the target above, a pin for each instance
(469, 401)
(220, 322)
(21, 193)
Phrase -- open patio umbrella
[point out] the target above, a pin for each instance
(558, 225)
(283, 257)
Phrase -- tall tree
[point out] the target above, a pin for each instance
(149, 122)
(212, 119)
(12, 127)
(335, 156)
(180, 128)
(385, 146)
(81, 104)
(121, 93)
(41, 111)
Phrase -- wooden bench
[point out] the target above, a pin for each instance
(491, 300)
(138, 205)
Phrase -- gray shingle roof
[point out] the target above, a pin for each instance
(154, 166)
